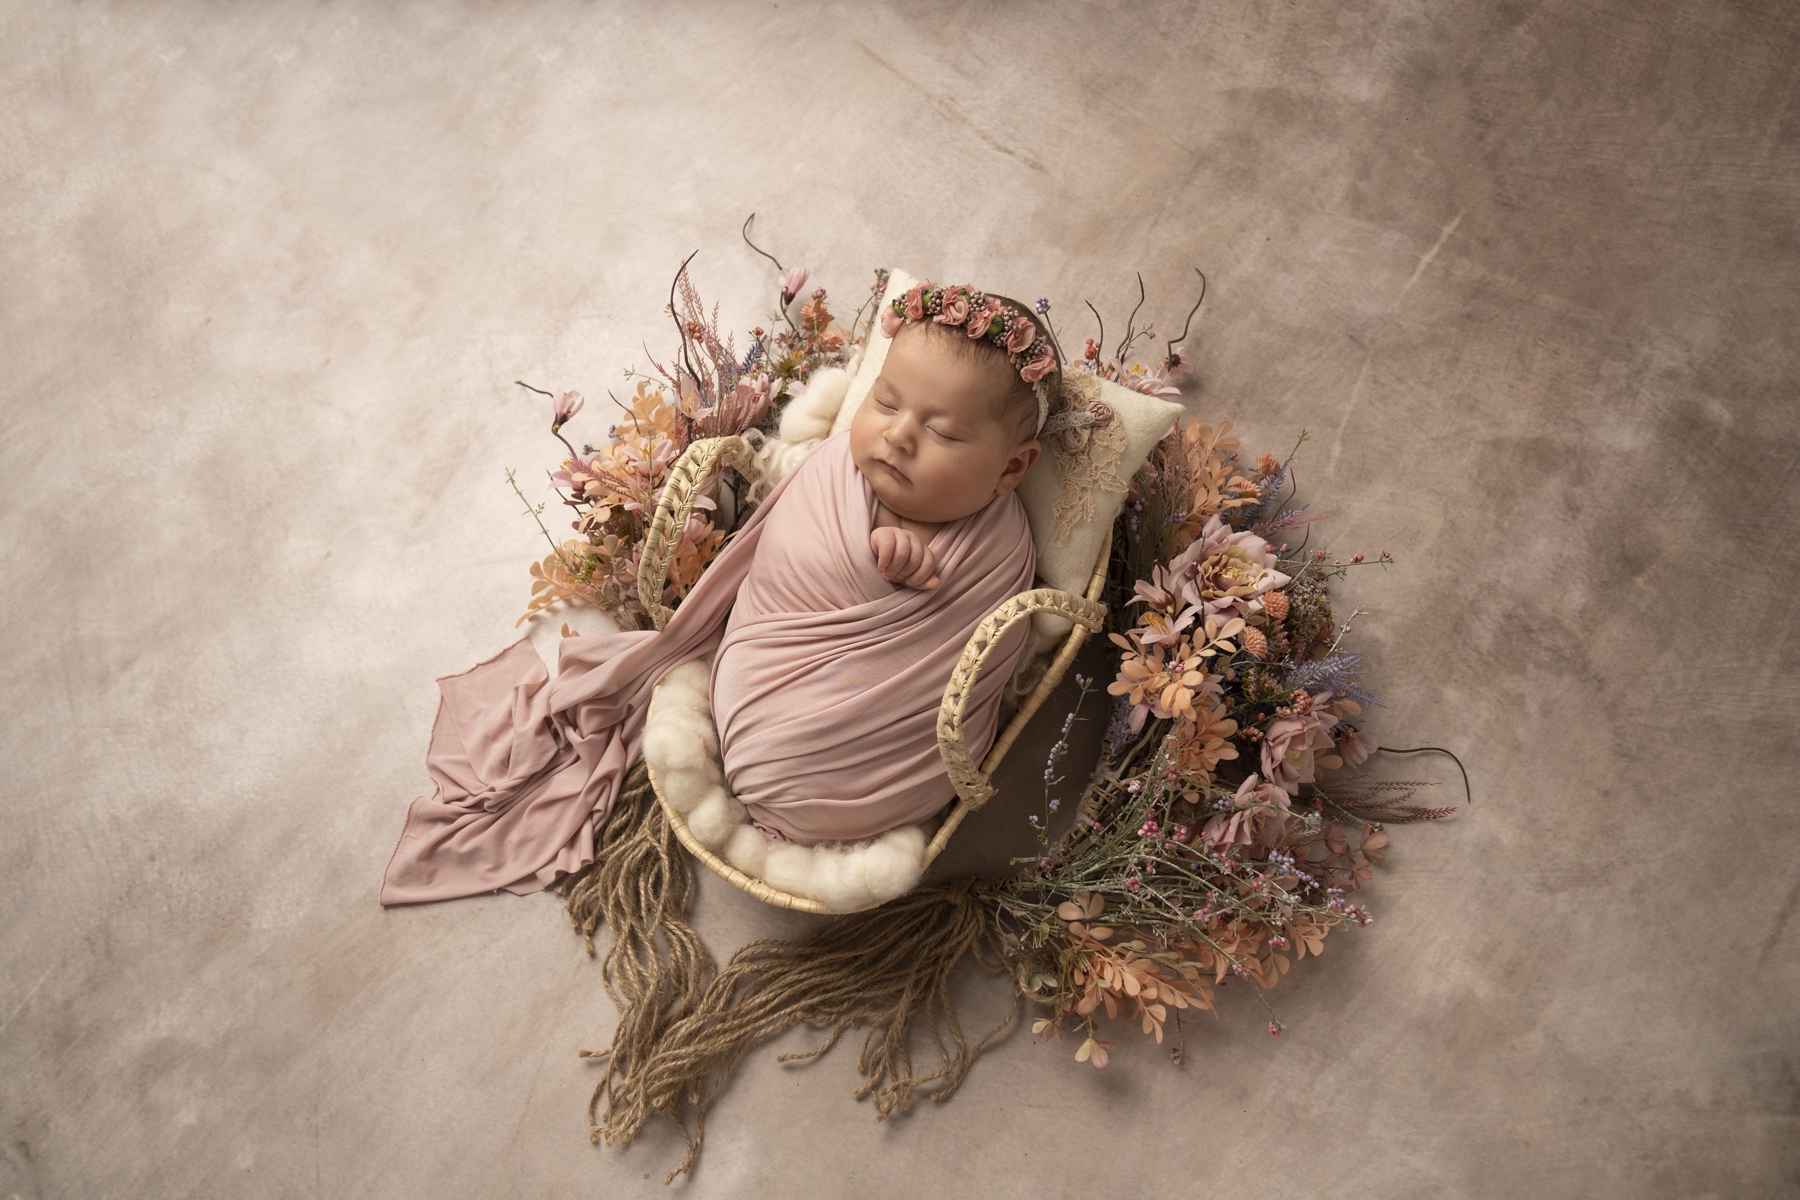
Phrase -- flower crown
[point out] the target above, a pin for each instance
(990, 319)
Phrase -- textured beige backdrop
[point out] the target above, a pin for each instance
(1527, 272)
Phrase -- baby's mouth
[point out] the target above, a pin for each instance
(892, 470)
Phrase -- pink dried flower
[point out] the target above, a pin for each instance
(1274, 1029)
(1291, 742)
(1355, 747)
(566, 405)
(1258, 815)
(891, 322)
(1151, 383)
(915, 301)
(792, 280)
(818, 293)
(1225, 572)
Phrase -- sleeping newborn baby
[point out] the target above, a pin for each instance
(836, 615)
(875, 562)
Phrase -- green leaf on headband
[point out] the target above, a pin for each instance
(995, 326)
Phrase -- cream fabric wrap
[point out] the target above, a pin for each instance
(836, 662)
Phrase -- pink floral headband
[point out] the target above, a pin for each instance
(988, 318)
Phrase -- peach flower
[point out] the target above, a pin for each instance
(891, 321)
(915, 301)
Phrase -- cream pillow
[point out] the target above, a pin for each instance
(899, 282)
(1067, 527)
(1065, 555)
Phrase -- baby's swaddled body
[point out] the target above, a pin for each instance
(827, 684)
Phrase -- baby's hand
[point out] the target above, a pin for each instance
(903, 557)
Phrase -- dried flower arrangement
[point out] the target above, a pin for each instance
(705, 392)
(1218, 838)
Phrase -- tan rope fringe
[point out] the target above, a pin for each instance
(639, 884)
(885, 967)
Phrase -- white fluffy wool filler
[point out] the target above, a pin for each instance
(681, 746)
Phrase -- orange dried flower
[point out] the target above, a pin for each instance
(1267, 464)
(1276, 605)
(1256, 643)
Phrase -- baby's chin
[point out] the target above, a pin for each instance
(902, 500)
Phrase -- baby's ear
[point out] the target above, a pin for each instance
(1024, 457)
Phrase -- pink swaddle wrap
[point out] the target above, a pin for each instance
(827, 685)
(826, 692)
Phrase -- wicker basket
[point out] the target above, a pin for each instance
(687, 481)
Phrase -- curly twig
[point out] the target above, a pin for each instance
(1131, 323)
(1170, 362)
(745, 234)
(1436, 750)
(686, 362)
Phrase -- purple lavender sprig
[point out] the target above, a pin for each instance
(1333, 673)
(1051, 778)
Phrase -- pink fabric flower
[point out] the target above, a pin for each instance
(792, 280)
(955, 308)
(1292, 741)
(980, 319)
(1021, 335)
(891, 321)
(915, 301)
(1258, 816)
(1039, 366)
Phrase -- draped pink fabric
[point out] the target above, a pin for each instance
(826, 678)
(827, 684)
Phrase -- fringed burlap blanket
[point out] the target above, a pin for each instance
(825, 689)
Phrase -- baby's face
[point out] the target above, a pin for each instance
(931, 438)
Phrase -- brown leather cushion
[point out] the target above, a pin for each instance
(999, 831)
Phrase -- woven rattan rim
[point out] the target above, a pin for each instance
(687, 481)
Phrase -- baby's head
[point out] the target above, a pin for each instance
(953, 419)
